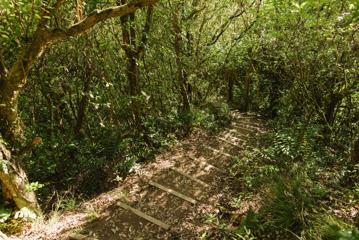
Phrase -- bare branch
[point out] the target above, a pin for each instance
(79, 10)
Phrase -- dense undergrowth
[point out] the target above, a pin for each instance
(93, 164)
(304, 188)
(293, 185)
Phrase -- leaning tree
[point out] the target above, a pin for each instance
(30, 27)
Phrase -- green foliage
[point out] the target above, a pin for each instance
(327, 227)
(212, 116)
(244, 234)
(13, 222)
(5, 213)
(67, 203)
(34, 186)
(289, 202)
(250, 221)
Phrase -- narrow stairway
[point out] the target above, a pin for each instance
(171, 198)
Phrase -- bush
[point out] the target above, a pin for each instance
(212, 116)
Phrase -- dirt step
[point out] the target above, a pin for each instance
(237, 134)
(234, 140)
(243, 130)
(175, 192)
(162, 205)
(219, 147)
(118, 223)
(221, 161)
(250, 122)
(233, 134)
(238, 115)
(144, 216)
(232, 144)
(183, 173)
(200, 168)
(211, 151)
(182, 184)
(248, 125)
(253, 123)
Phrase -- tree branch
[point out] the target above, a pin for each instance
(194, 13)
(226, 24)
(79, 10)
(98, 16)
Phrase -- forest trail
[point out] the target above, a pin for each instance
(172, 197)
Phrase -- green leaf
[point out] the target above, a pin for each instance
(4, 214)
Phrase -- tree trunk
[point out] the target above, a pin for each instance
(247, 79)
(330, 111)
(181, 72)
(355, 152)
(132, 71)
(230, 91)
(133, 52)
(14, 183)
(11, 126)
(81, 110)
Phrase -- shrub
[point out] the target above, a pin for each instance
(288, 202)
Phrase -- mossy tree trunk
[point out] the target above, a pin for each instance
(14, 182)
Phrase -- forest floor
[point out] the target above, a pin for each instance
(173, 197)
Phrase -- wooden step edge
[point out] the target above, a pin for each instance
(251, 131)
(231, 130)
(144, 215)
(173, 192)
(230, 143)
(180, 171)
(218, 151)
(78, 236)
(244, 117)
(228, 136)
(248, 128)
(253, 123)
(206, 163)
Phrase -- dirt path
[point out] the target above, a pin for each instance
(171, 198)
